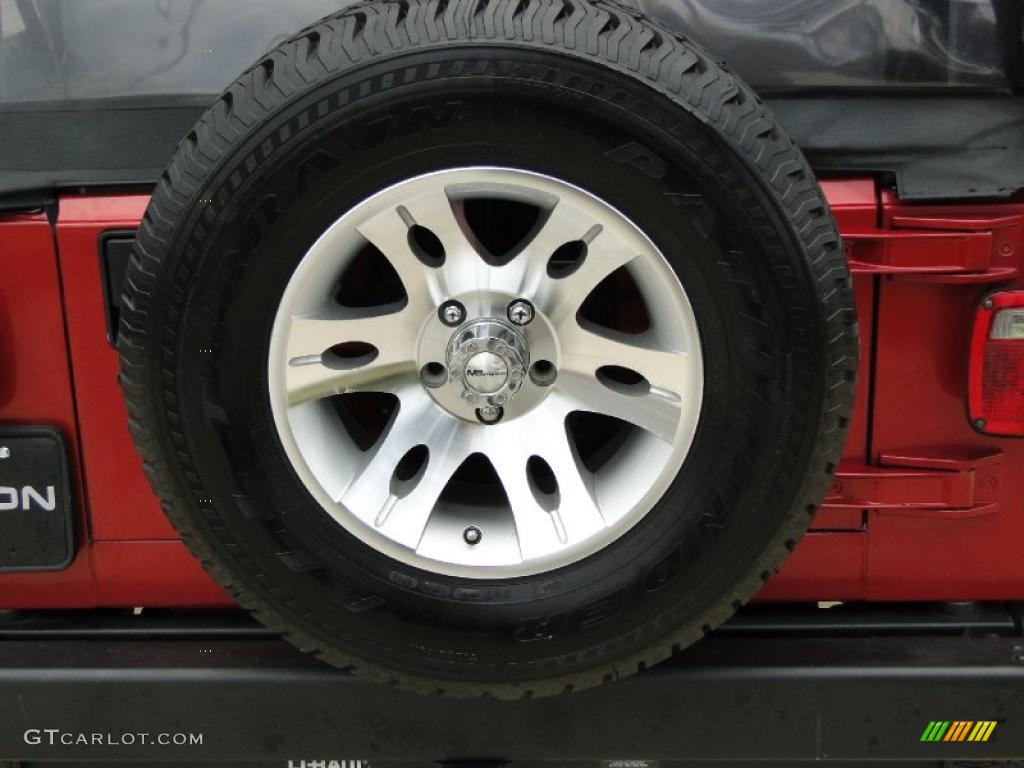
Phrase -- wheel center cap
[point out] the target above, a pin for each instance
(487, 363)
(486, 373)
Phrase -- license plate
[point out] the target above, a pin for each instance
(36, 529)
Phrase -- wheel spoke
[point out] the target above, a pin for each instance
(409, 519)
(463, 269)
(585, 351)
(402, 513)
(389, 233)
(574, 514)
(654, 411)
(561, 297)
(561, 224)
(578, 508)
(656, 407)
(314, 372)
(539, 530)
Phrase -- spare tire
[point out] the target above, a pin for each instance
(497, 346)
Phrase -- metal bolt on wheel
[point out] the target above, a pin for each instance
(520, 312)
(490, 364)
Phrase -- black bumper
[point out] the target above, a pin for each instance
(791, 688)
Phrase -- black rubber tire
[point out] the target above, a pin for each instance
(584, 90)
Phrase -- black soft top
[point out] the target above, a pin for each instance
(99, 92)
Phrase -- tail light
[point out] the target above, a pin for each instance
(996, 379)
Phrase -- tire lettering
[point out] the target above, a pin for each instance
(600, 611)
(684, 200)
(367, 603)
(266, 213)
(402, 580)
(536, 630)
(640, 158)
(420, 118)
(319, 163)
(663, 573)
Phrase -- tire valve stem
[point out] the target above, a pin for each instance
(472, 535)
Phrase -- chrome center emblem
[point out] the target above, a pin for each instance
(486, 373)
(487, 363)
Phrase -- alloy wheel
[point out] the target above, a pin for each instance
(485, 372)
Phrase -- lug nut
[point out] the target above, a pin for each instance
(5, 452)
(489, 414)
(451, 313)
(520, 312)
(472, 535)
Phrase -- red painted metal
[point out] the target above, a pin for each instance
(941, 484)
(35, 388)
(893, 252)
(919, 403)
(923, 506)
(825, 566)
(963, 246)
(154, 574)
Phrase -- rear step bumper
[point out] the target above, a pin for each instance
(764, 688)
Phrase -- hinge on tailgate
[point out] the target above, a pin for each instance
(950, 483)
(959, 246)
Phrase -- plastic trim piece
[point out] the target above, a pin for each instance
(115, 247)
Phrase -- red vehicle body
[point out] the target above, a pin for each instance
(920, 493)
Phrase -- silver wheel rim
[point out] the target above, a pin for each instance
(554, 507)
